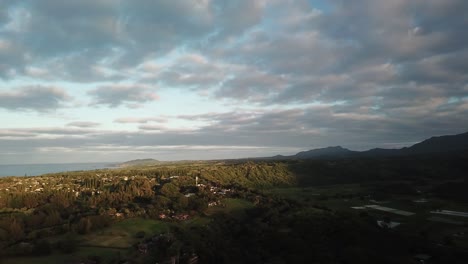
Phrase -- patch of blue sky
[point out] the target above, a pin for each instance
(455, 100)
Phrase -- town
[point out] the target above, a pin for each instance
(194, 212)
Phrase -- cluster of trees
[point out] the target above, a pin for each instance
(28, 200)
(91, 200)
(360, 170)
(284, 231)
(250, 174)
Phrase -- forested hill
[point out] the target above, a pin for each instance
(431, 146)
(441, 144)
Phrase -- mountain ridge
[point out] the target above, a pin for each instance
(430, 146)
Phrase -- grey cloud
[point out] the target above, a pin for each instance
(81, 67)
(3, 16)
(37, 98)
(4, 8)
(13, 133)
(115, 34)
(116, 95)
(158, 18)
(193, 71)
(238, 16)
(380, 71)
(437, 69)
(57, 27)
(350, 39)
(83, 124)
(141, 120)
(153, 127)
(194, 80)
(253, 86)
(12, 58)
(399, 29)
(56, 131)
(223, 80)
(294, 129)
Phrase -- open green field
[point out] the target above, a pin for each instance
(230, 206)
(122, 234)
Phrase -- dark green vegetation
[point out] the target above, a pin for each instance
(292, 211)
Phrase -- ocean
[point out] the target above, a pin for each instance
(38, 169)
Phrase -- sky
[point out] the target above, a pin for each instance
(114, 80)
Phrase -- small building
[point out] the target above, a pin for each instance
(162, 216)
(118, 214)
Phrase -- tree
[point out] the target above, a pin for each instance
(170, 190)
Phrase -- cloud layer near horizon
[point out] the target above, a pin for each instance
(240, 78)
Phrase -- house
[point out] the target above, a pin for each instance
(181, 217)
(118, 214)
(210, 204)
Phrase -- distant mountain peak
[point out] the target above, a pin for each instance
(139, 162)
(324, 152)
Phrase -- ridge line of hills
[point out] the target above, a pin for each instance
(432, 146)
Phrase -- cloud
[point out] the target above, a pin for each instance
(359, 73)
(252, 86)
(141, 120)
(3, 16)
(113, 35)
(83, 124)
(128, 95)
(38, 98)
(246, 132)
(11, 58)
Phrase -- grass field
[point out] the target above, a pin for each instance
(230, 206)
(122, 234)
